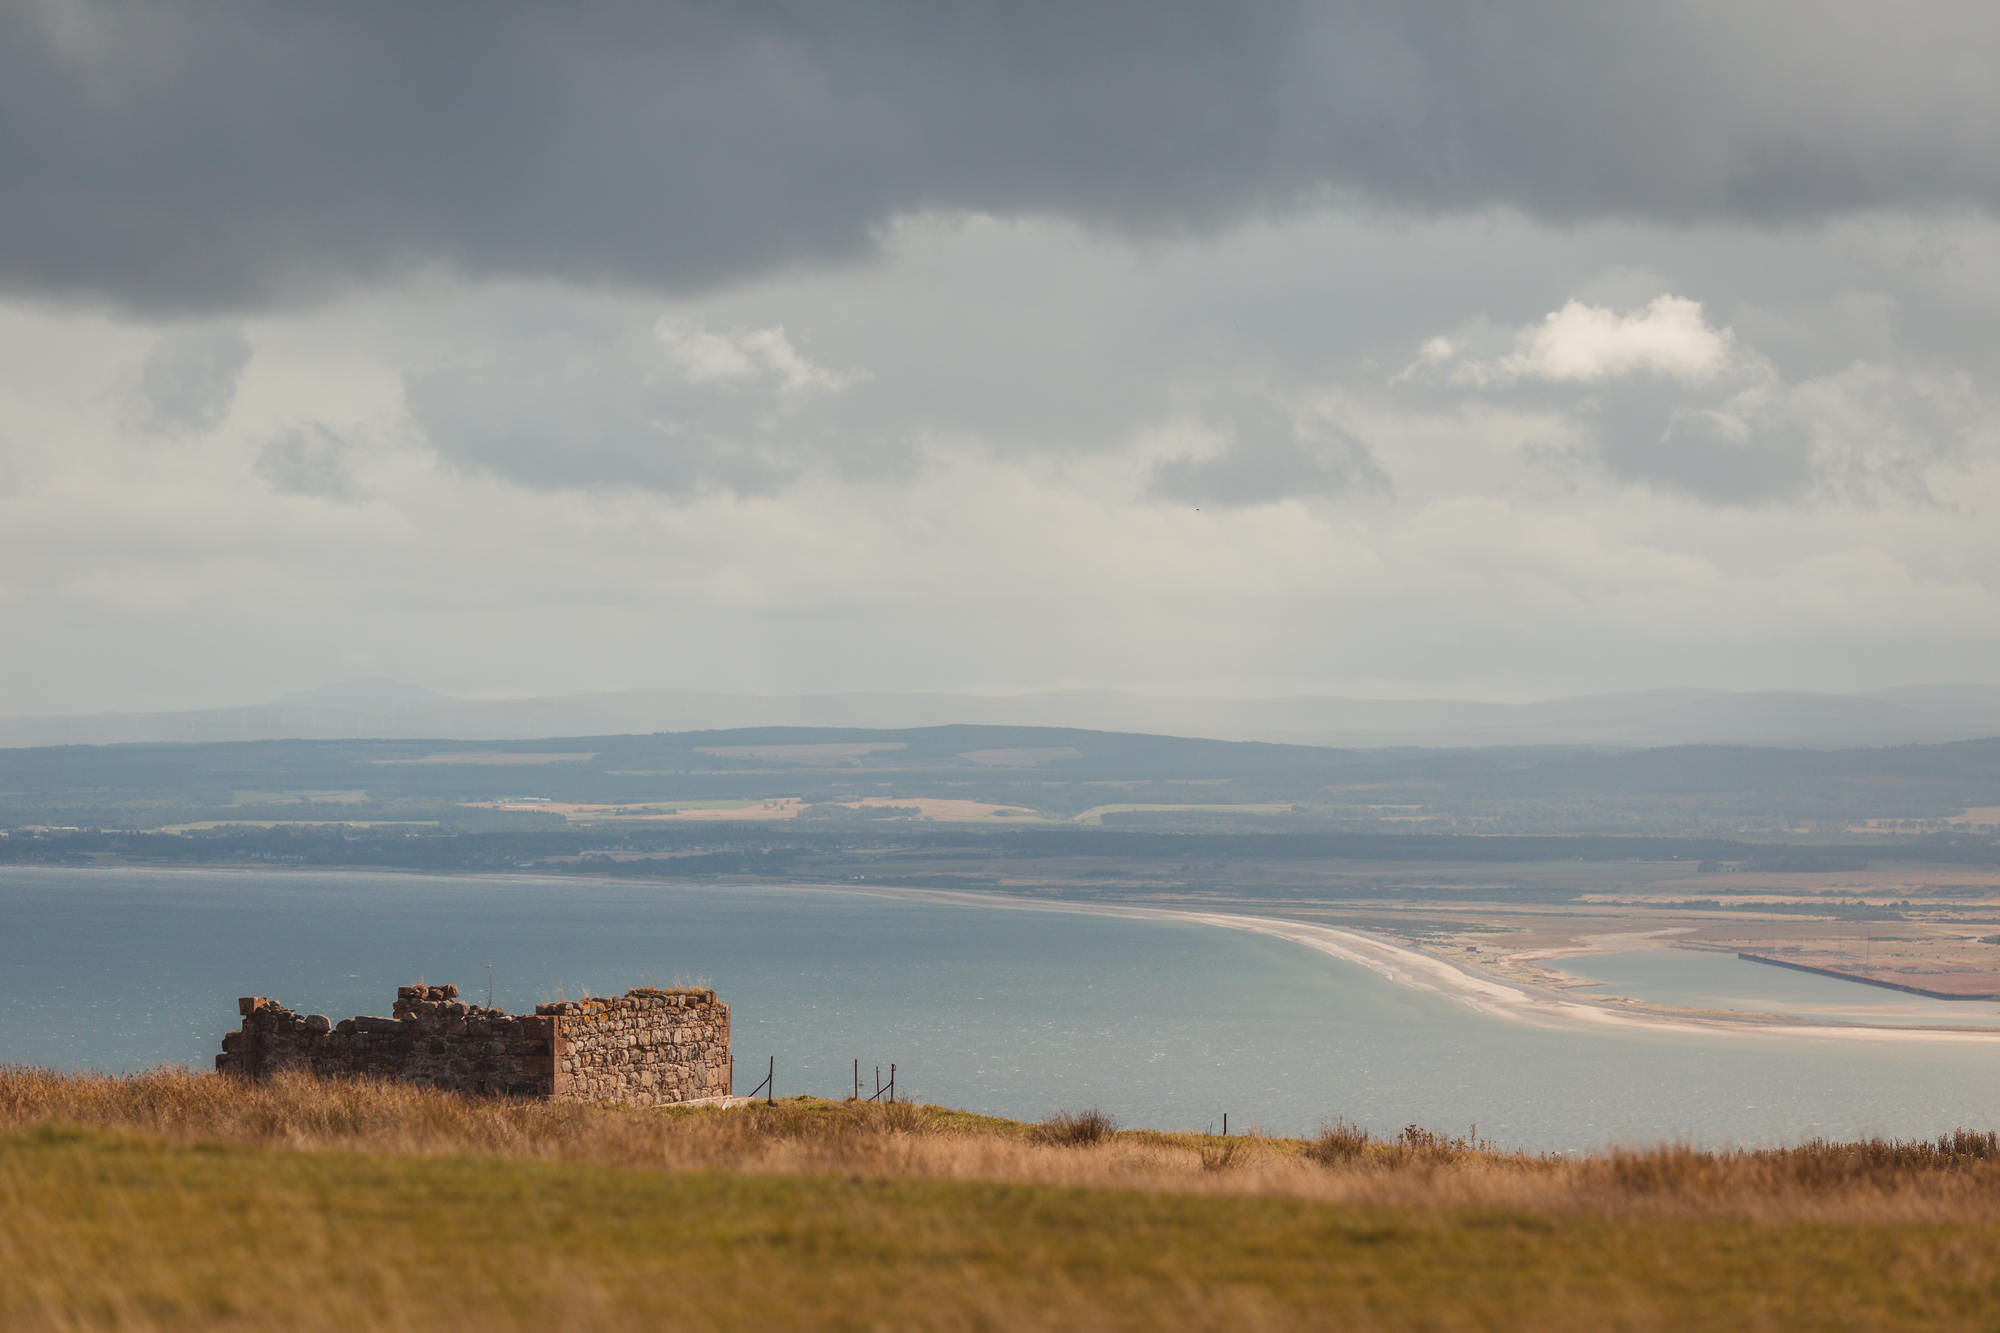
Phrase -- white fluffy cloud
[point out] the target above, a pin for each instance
(1669, 337)
(1588, 343)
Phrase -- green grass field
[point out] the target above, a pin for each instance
(499, 1216)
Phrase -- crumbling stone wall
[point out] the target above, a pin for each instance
(645, 1046)
(649, 1047)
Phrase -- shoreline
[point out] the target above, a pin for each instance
(1397, 963)
(1413, 969)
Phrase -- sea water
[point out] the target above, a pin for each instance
(1165, 1024)
(1706, 979)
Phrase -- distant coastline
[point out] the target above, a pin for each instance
(1541, 1006)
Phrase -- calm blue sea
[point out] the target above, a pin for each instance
(1012, 1012)
(1699, 979)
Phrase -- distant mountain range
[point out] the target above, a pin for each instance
(387, 709)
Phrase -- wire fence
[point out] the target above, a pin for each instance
(884, 1092)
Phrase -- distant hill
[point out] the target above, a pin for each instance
(1103, 779)
(388, 709)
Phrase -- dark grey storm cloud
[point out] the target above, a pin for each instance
(1864, 435)
(309, 460)
(1270, 456)
(677, 407)
(188, 382)
(1706, 453)
(572, 423)
(202, 154)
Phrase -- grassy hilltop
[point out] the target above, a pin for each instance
(173, 1200)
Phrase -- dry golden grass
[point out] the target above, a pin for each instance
(1955, 1179)
(171, 1200)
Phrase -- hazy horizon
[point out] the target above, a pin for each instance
(381, 708)
(217, 697)
(377, 688)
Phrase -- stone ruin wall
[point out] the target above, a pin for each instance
(648, 1047)
(653, 1047)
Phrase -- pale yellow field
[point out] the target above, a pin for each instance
(1096, 813)
(831, 752)
(784, 807)
(484, 757)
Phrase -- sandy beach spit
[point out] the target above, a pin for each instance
(1405, 966)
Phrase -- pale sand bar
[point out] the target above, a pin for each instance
(1544, 1007)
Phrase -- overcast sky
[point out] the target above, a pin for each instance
(1490, 349)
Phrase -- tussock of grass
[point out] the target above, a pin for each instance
(1076, 1129)
(1338, 1144)
(1341, 1143)
(1219, 1156)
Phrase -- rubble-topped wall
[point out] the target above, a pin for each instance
(650, 1047)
